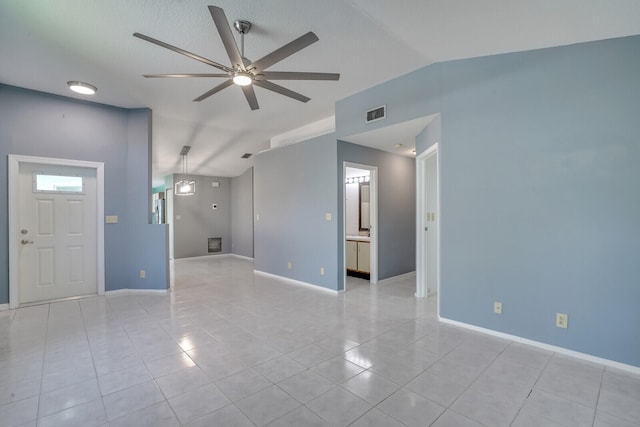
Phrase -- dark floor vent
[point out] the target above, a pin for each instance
(215, 244)
(246, 155)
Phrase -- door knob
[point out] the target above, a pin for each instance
(26, 242)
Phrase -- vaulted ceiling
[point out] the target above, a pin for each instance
(44, 44)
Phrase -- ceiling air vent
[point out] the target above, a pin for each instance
(376, 114)
(246, 155)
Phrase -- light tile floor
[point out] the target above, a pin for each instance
(230, 348)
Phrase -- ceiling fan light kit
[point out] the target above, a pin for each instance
(242, 79)
(243, 72)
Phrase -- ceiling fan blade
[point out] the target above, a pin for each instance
(229, 42)
(250, 94)
(183, 52)
(265, 84)
(285, 51)
(216, 89)
(294, 75)
(152, 76)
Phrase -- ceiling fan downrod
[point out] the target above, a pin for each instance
(243, 28)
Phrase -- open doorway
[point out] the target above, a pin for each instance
(360, 219)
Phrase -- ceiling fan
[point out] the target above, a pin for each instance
(243, 72)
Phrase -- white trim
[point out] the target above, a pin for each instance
(129, 291)
(296, 282)
(14, 169)
(560, 350)
(242, 257)
(373, 232)
(4, 307)
(203, 257)
(304, 133)
(398, 277)
(421, 261)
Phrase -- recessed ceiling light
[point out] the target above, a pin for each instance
(82, 87)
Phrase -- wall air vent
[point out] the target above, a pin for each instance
(246, 155)
(376, 114)
(214, 244)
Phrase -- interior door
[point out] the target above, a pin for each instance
(58, 232)
(431, 175)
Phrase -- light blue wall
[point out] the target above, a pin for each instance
(396, 207)
(242, 214)
(540, 207)
(294, 188)
(429, 135)
(38, 124)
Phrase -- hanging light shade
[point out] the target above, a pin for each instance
(185, 187)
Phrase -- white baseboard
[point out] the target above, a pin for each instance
(241, 257)
(137, 292)
(556, 349)
(201, 257)
(4, 307)
(204, 257)
(394, 278)
(296, 282)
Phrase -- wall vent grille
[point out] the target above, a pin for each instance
(215, 245)
(376, 114)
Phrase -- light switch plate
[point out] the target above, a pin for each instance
(497, 307)
(112, 219)
(327, 216)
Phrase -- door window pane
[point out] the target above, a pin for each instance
(43, 183)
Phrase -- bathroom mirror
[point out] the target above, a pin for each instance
(365, 221)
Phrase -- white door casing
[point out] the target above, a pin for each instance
(71, 264)
(428, 223)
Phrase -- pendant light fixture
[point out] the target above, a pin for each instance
(185, 187)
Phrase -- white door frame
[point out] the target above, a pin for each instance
(14, 246)
(421, 223)
(373, 194)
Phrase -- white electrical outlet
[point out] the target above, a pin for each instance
(497, 307)
(562, 320)
(112, 219)
(327, 216)
(322, 271)
(143, 274)
(289, 265)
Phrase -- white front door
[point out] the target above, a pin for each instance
(57, 222)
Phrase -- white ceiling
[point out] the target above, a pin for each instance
(45, 43)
